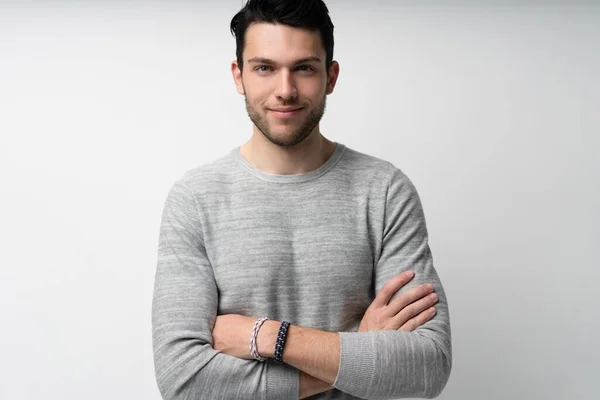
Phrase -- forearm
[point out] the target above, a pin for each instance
(309, 386)
(378, 364)
(393, 364)
(312, 351)
(196, 372)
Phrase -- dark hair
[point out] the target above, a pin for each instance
(307, 14)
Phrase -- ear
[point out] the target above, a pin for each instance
(237, 77)
(334, 71)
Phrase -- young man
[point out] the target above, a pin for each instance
(298, 229)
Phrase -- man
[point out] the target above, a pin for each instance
(298, 229)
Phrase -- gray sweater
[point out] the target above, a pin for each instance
(312, 249)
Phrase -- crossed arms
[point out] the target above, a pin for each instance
(317, 353)
(374, 364)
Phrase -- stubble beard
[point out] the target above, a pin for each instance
(298, 135)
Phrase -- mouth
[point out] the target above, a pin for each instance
(285, 112)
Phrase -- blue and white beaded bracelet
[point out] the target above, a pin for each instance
(281, 342)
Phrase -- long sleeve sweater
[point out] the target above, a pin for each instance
(313, 249)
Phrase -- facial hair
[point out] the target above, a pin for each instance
(297, 136)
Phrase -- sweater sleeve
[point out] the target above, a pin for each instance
(184, 309)
(394, 364)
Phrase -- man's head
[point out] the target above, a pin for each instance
(284, 62)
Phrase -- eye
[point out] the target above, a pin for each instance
(305, 68)
(263, 68)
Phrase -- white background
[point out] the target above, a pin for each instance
(491, 108)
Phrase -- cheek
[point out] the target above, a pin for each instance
(257, 88)
(314, 90)
(257, 97)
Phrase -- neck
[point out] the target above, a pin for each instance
(304, 157)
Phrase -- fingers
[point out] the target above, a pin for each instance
(391, 287)
(418, 309)
(411, 296)
(419, 320)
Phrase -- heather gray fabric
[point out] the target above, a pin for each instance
(311, 249)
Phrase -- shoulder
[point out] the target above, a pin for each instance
(209, 177)
(384, 172)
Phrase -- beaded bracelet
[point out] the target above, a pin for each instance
(253, 348)
(281, 341)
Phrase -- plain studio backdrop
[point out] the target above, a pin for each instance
(490, 107)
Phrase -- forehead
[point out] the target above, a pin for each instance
(278, 42)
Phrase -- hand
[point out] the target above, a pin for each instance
(406, 312)
(231, 335)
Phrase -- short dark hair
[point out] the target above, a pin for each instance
(307, 14)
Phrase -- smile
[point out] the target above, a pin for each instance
(285, 113)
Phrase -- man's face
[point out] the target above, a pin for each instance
(284, 81)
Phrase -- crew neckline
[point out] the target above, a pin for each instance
(293, 178)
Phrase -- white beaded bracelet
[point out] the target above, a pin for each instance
(253, 349)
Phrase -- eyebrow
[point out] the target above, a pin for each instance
(263, 60)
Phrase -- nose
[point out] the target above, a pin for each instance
(286, 87)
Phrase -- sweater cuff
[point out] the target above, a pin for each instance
(357, 363)
(283, 381)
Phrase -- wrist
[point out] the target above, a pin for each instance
(267, 337)
(310, 386)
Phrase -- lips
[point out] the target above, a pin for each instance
(285, 109)
(286, 112)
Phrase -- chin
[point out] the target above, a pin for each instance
(290, 139)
